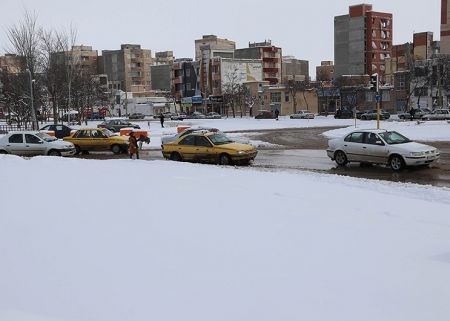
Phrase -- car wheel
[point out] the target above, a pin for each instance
(401, 117)
(175, 157)
(77, 149)
(340, 158)
(116, 149)
(363, 118)
(53, 152)
(397, 163)
(224, 159)
(4, 152)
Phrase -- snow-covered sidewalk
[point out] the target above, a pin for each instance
(86, 240)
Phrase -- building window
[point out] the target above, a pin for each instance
(369, 96)
(188, 72)
(188, 86)
(386, 95)
(286, 97)
(275, 97)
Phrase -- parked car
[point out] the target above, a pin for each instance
(166, 114)
(302, 114)
(136, 116)
(438, 114)
(116, 125)
(213, 115)
(206, 146)
(98, 139)
(61, 131)
(419, 112)
(196, 115)
(32, 143)
(265, 114)
(172, 138)
(179, 116)
(380, 147)
(344, 113)
(372, 115)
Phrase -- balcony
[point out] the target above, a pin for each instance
(271, 70)
(271, 59)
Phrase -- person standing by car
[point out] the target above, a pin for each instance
(161, 119)
(277, 113)
(133, 146)
(412, 112)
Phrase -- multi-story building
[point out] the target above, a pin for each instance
(295, 69)
(128, 69)
(212, 42)
(325, 72)
(445, 27)
(184, 78)
(161, 77)
(271, 56)
(163, 58)
(398, 68)
(362, 41)
(12, 63)
(208, 47)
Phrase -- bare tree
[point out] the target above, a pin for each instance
(231, 90)
(24, 39)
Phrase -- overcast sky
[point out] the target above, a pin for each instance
(303, 28)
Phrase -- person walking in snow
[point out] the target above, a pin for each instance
(277, 113)
(161, 119)
(133, 146)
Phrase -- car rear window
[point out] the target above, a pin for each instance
(355, 137)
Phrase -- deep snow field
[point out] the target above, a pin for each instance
(88, 240)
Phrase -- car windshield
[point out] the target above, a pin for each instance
(394, 138)
(46, 137)
(220, 139)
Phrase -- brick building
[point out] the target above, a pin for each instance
(362, 41)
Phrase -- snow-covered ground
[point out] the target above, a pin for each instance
(86, 240)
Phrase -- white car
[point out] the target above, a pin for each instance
(438, 114)
(380, 147)
(302, 114)
(32, 143)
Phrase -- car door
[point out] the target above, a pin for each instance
(186, 147)
(99, 140)
(16, 145)
(34, 145)
(203, 149)
(375, 149)
(83, 139)
(354, 147)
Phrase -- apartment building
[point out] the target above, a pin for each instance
(163, 58)
(295, 69)
(362, 41)
(271, 56)
(208, 47)
(185, 78)
(445, 27)
(325, 72)
(128, 69)
(12, 63)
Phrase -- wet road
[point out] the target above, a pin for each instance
(304, 150)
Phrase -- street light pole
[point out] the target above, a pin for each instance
(34, 123)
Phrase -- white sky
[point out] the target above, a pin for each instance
(302, 28)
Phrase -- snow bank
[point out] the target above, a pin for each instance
(137, 240)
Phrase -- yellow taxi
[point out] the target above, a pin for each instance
(98, 139)
(206, 146)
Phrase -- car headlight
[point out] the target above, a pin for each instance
(417, 154)
(241, 152)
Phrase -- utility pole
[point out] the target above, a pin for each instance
(34, 124)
